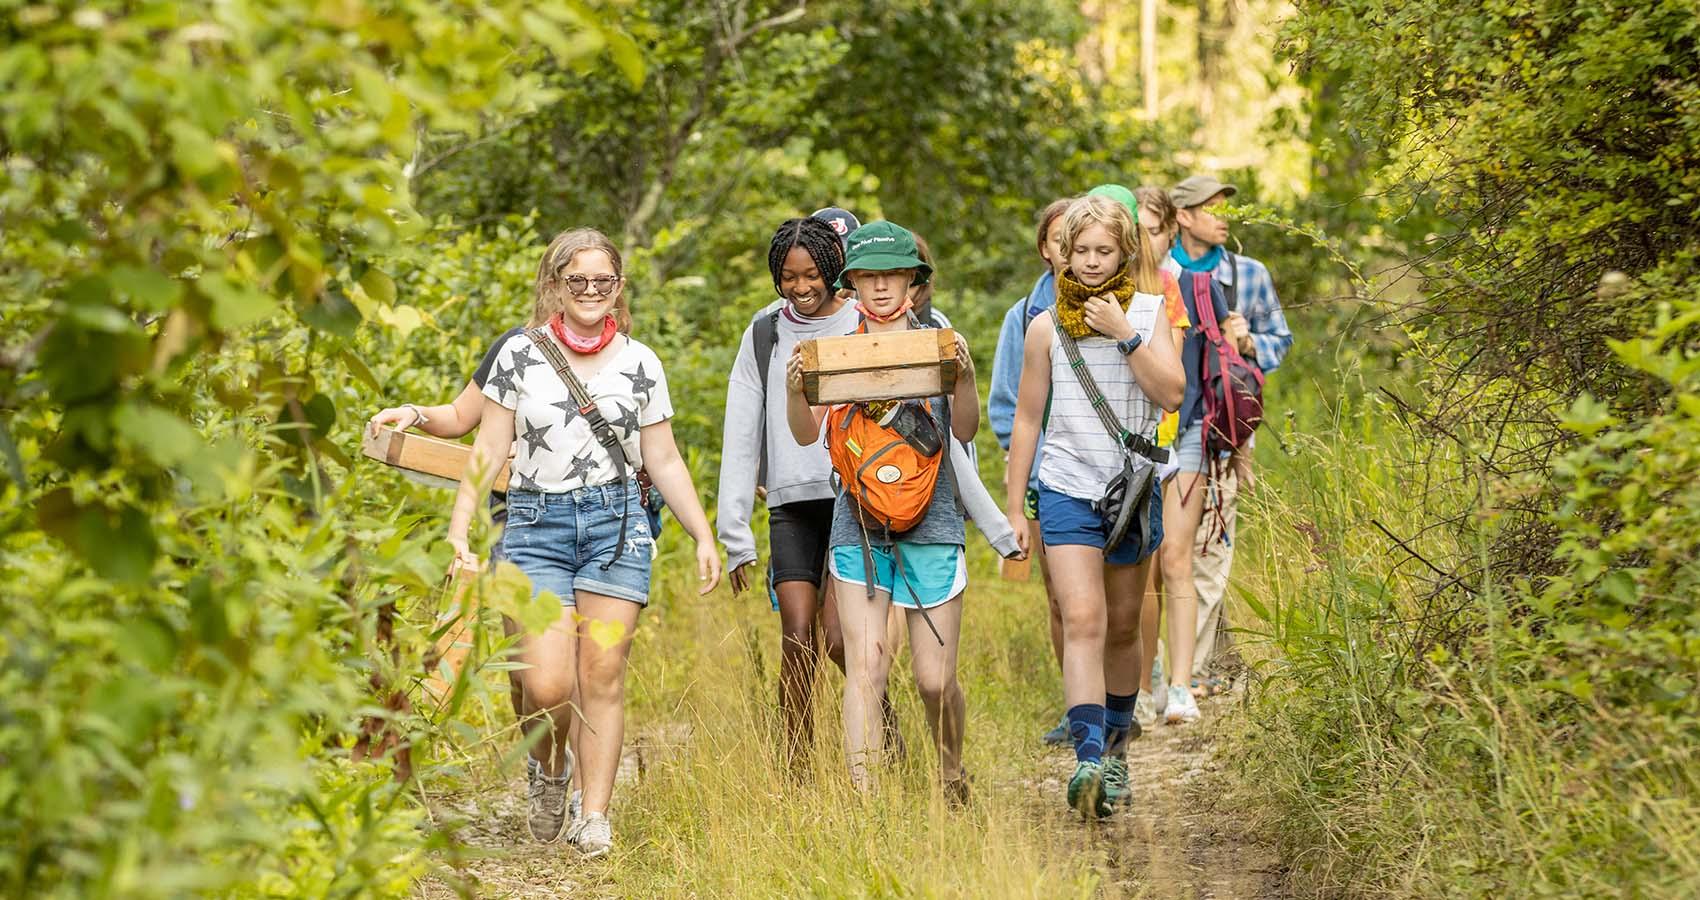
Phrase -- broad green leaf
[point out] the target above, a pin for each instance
(151, 289)
(626, 55)
(404, 319)
(378, 286)
(165, 438)
(332, 311)
(118, 544)
(234, 305)
(193, 152)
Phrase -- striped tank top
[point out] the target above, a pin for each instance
(1080, 457)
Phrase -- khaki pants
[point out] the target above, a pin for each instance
(1211, 562)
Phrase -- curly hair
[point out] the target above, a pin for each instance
(817, 239)
(1118, 220)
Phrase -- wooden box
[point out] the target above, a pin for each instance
(890, 365)
(442, 461)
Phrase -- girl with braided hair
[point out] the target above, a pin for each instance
(804, 258)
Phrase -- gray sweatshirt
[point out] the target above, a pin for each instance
(794, 473)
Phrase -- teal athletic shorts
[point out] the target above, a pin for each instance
(932, 573)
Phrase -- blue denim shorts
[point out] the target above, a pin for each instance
(1189, 448)
(1071, 520)
(566, 542)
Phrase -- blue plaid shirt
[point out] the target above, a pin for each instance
(1255, 290)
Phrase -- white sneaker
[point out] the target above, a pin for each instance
(1145, 710)
(1182, 708)
(594, 836)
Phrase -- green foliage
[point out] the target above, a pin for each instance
(1622, 615)
(202, 202)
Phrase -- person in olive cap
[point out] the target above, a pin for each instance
(1195, 584)
(921, 570)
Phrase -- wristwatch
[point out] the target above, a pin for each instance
(1131, 344)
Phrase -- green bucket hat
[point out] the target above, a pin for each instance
(881, 247)
(1119, 194)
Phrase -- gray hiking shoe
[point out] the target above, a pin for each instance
(594, 836)
(575, 811)
(546, 798)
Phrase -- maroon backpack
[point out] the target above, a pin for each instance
(1232, 388)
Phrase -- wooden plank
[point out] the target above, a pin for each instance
(856, 352)
(883, 366)
(455, 643)
(879, 384)
(424, 454)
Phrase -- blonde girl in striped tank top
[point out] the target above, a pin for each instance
(1110, 300)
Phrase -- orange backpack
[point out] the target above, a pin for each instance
(891, 482)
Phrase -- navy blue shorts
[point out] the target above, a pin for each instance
(1071, 520)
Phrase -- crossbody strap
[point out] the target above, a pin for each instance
(587, 407)
(1124, 438)
(599, 426)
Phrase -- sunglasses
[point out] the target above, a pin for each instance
(578, 284)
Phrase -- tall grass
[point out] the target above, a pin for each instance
(705, 807)
(1405, 743)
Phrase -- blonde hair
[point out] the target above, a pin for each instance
(551, 292)
(1118, 220)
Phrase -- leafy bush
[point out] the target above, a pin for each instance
(201, 201)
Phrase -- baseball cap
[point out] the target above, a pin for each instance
(1198, 189)
(842, 221)
(881, 247)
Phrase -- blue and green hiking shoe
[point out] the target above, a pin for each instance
(1086, 790)
(1116, 789)
(1058, 735)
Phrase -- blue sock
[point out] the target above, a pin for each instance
(1118, 722)
(1086, 726)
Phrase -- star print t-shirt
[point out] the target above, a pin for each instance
(554, 448)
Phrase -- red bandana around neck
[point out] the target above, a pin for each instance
(908, 304)
(583, 344)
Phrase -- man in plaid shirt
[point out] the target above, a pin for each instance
(1258, 327)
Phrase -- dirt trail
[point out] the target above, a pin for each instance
(1181, 838)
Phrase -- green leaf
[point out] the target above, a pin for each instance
(234, 305)
(149, 641)
(358, 366)
(378, 286)
(626, 55)
(151, 289)
(118, 544)
(193, 151)
(165, 439)
(507, 590)
(564, 47)
(403, 319)
(332, 312)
